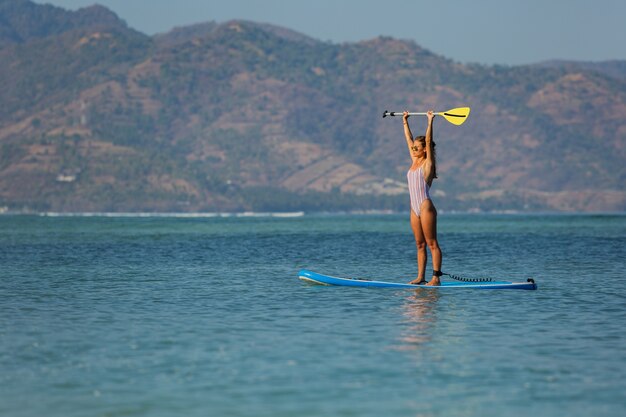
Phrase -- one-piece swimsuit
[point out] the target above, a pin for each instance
(418, 188)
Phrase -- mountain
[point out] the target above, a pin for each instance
(23, 21)
(180, 35)
(95, 116)
(614, 68)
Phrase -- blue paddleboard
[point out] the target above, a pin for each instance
(316, 278)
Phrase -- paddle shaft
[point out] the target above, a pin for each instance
(399, 113)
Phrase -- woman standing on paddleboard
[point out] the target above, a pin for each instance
(423, 213)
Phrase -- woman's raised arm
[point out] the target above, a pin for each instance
(407, 132)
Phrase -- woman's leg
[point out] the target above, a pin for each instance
(420, 243)
(428, 217)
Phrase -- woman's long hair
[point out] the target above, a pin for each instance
(422, 140)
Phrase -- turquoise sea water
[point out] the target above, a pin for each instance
(206, 317)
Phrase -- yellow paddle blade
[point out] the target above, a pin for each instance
(456, 116)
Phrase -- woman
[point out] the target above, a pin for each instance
(423, 213)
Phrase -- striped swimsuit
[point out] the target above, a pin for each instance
(418, 189)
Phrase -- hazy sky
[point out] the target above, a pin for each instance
(486, 31)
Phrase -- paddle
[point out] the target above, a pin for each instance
(455, 116)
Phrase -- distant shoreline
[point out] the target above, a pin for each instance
(297, 214)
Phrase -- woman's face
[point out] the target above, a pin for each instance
(419, 151)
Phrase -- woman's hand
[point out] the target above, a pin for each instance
(405, 116)
(431, 115)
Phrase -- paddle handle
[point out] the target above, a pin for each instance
(400, 113)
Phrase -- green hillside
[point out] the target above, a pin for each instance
(244, 116)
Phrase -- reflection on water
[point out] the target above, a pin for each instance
(419, 315)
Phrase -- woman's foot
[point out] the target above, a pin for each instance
(418, 281)
(434, 282)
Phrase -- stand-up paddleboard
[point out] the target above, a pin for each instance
(316, 278)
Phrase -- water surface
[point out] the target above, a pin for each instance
(206, 317)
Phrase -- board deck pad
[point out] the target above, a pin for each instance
(315, 278)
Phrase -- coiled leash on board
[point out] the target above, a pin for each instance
(458, 278)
